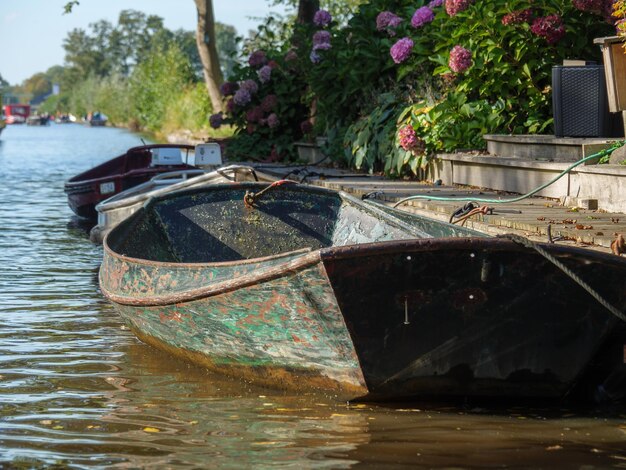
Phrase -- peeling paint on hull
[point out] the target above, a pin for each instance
(286, 332)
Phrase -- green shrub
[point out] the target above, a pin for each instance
(157, 83)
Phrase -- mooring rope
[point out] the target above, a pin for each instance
(573, 276)
(600, 154)
(250, 198)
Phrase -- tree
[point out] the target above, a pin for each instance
(226, 38)
(207, 48)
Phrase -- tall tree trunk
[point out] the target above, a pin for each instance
(205, 40)
(306, 10)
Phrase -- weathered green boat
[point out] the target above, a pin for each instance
(300, 287)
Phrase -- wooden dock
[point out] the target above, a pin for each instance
(533, 217)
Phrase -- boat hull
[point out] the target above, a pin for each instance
(451, 318)
(444, 318)
(283, 330)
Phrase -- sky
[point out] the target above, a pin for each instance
(32, 31)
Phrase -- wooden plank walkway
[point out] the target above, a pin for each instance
(531, 217)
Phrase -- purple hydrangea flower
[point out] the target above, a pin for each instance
(242, 97)
(322, 18)
(228, 88)
(422, 16)
(272, 120)
(321, 40)
(269, 103)
(265, 74)
(435, 4)
(460, 59)
(388, 21)
(454, 7)
(250, 86)
(215, 120)
(315, 57)
(257, 59)
(401, 50)
(230, 105)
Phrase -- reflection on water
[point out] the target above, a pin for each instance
(77, 389)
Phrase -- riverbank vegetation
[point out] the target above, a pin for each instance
(137, 72)
(388, 84)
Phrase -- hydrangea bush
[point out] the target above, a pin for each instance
(264, 101)
(405, 79)
(476, 67)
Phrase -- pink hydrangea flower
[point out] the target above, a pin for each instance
(401, 50)
(591, 6)
(421, 17)
(322, 18)
(549, 27)
(518, 16)
(388, 21)
(460, 59)
(409, 141)
(454, 7)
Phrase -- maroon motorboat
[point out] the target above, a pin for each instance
(136, 166)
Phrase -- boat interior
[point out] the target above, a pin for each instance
(213, 224)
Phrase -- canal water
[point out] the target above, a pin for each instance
(77, 390)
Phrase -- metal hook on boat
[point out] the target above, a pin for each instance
(372, 194)
(250, 198)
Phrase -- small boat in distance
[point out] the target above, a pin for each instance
(97, 119)
(38, 120)
(117, 208)
(136, 166)
(300, 287)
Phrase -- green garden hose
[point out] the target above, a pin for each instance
(601, 154)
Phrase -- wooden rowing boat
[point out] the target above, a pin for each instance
(302, 287)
